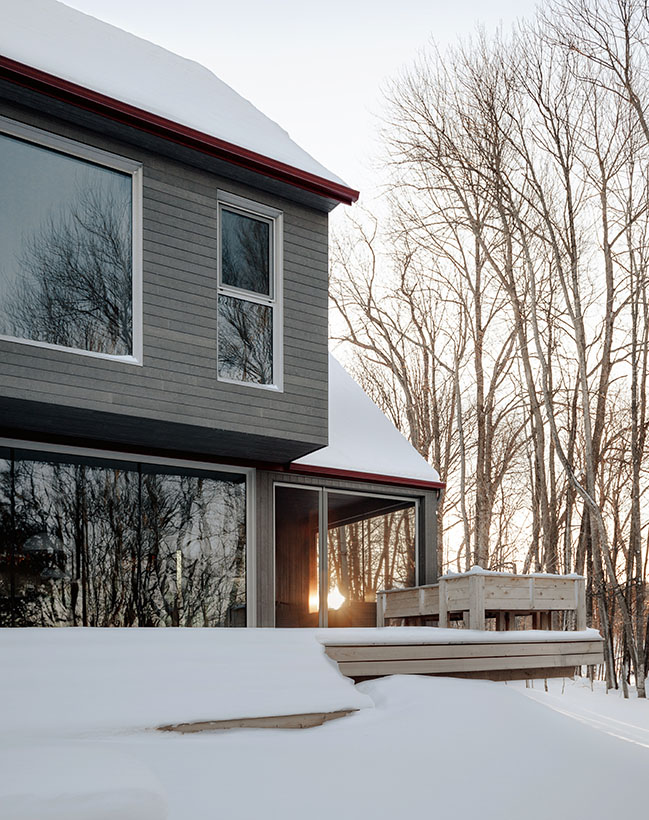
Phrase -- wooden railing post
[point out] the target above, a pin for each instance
(443, 604)
(380, 608)
(476, 602)
(580, 604)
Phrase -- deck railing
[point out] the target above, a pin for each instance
(477, 595)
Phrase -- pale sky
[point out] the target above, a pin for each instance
(315, 68)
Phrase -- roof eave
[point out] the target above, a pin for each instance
(332, 472)
(74, 94)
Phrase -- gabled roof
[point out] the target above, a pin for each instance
(363, 442)
(73, 56)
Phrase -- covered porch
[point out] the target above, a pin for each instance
(338, 525)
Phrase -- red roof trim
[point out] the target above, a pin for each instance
(331, 472)
(66, 91)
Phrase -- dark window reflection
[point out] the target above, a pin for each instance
(371, 546)
(194, 547)
(245, 252)
(65, 234)
(105, 544)
(372, 554)
(6, 540)
(245, 340)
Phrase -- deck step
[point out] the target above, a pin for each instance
(533, 659)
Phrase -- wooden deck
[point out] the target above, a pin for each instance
(538, 655)
(554, 646)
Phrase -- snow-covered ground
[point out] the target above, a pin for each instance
(612, 713)
(74, 705)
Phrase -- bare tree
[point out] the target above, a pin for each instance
(518, 228)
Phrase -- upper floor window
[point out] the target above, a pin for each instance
(249, 298)
(69, 218)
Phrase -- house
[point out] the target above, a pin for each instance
(177, 447)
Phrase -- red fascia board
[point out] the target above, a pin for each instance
(69, 92)
(332, 472)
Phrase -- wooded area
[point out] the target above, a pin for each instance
(495, 303)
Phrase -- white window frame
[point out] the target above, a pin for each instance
(74, 149)
(274, 300)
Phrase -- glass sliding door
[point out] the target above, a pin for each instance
(334, 550)
(75, 542)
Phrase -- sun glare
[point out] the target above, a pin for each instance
(335, 599)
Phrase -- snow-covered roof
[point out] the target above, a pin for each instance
(361, 437)
(53, 38)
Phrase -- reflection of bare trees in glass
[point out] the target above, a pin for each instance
(245, 328)
(6, 542)
(373, 554)
(194, 550)
(106, 516)
(245, 252)
(76, 287)
(245, 340)
(110, 546)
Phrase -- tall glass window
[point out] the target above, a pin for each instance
(109, 543)
(66, 234)
(249, 307)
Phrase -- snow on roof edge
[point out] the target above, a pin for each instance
(361, 437)
(79, 48)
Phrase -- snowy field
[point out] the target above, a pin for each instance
(77, 709)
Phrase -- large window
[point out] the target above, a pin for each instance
(89, 542)
(69, 245)
(249, 300)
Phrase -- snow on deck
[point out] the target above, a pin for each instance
(422, 635)
(361, 437)
(97, 680)
(74, 46)
(476, 570)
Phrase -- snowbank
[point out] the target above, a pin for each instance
(77, 47)
(65, 681)
(431, 747)
(480, 749)
(361, 437)
(590, 704)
